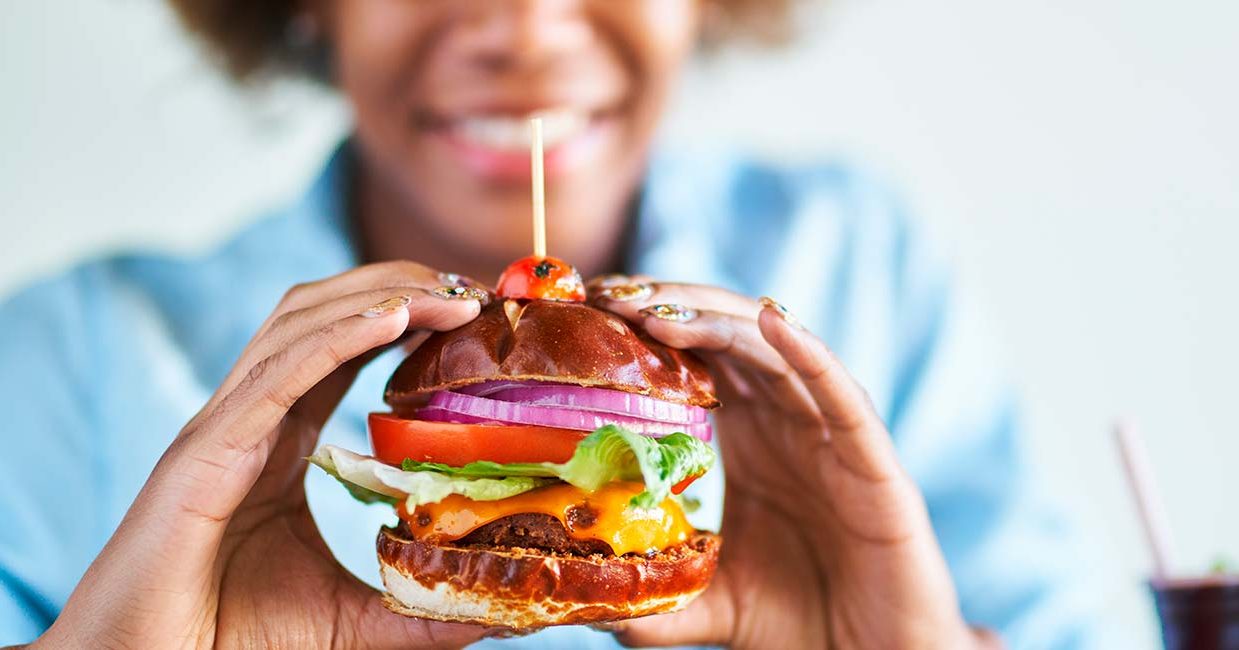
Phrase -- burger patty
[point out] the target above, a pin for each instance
(533, 530)
(530, 531)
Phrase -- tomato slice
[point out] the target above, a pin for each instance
(395, 439)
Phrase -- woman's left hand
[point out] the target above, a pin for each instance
(827, 541)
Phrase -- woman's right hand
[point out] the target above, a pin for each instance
(219, 548)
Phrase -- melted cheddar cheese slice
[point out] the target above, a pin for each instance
(603, 515)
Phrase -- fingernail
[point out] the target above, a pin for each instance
(462, 293)
(628, 292)
(387, 306)
(617, 626)
(783, 312)
(609, 280)
(673, 313)
(455, 280)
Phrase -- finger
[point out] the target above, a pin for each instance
(282, 481)
(211, 467)
(857, 433)
(185, 507)
(371, 625)
(600, 282)
(434, 309)
(628, 300)
(285, 470)
(733, 340)
(383, 275)
(707, 621)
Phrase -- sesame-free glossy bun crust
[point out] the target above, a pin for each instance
(524, 589)
(548, 341)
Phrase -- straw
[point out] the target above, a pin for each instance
(539, 196)
(1140, 480)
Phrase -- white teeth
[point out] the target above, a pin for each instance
(512, 133)
(559, 126)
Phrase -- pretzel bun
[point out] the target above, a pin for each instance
(524, 569)
(529, 589)
(559, 342)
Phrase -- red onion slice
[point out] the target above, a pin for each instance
(434, 414)
(488, 388)
(599, 400)
(456, 407)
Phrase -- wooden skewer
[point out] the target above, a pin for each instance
(1152, 513)
(539, 195)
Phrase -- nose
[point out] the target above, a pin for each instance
(526, 33)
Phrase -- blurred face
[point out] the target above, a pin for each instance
(442, 90)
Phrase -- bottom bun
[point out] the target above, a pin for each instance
(528, 589)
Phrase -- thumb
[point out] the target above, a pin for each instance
(374, 626)
(709, 620)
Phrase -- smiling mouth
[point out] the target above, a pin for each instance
(511, 132)
(496, 144)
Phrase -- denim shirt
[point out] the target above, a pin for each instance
(101, 367)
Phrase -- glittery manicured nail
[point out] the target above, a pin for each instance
(455, 280)
(673, 313)
(609, 280)
(462, 293)
(387, 306)
(782, 311)
(628, 292)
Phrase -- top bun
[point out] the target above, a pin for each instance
(557, 342)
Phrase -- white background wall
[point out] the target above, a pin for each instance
(1079, 157)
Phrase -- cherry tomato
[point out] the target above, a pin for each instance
(395, 439)
(541, 278)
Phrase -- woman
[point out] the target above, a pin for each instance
(849, 522)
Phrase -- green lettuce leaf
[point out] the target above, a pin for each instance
(687, 504)
(371, 481)
(610, 453)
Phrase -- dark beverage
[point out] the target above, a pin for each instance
(1198, 613)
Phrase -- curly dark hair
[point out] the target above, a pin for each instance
(248, 37)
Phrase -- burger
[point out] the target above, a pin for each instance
(534, 457)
